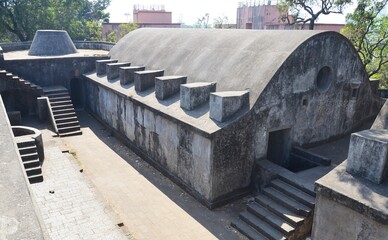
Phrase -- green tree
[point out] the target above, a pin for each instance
(203, 22)
(292, 10)
(121, 31)
(218, 22)
(22, 18)
(367, 29)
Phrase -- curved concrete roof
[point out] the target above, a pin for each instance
(235, 59)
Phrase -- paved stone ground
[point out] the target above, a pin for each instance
(149, 204)
(73, 210)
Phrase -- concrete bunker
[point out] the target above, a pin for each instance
(212, 154)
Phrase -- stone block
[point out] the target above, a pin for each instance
(127, 74)
(167, 86)
(368, 154)
(113, 69)
(146, 79)
(101, 66)
(224, 104)
(15, 118)
(195, 94)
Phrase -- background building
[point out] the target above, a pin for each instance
(154, 16)
(261, 15)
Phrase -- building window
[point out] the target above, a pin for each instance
(304, 102)
(324, 79)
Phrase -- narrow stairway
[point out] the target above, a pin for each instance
(62, 109)
(29, 154)
(283, 210)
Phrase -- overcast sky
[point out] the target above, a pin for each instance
(188, 11)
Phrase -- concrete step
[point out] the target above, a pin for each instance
(64, 116)
(246, 230)
(31, 164)
(62, 111)
(60, 103)
(29, 149)
(61, 107)
(68, 124)
(56, 95)
(261, 226)
(26, 143)
(275, 221)
(29, 156)
(292, 183)
(293, 192)
(34, 171)
(66, 119)
(70, 134)
(35, 178)
(286, 201)
(68, 129)
(59, 99)
(281, 211)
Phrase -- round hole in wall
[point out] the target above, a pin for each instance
(324, 79)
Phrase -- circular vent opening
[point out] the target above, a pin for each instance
(324, 79)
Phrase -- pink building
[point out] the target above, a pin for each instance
(256, 15)
(153, 16)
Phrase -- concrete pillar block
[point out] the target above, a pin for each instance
(43, 108)
(146, 79)
(167, 86)
(101, 66)
(368, 154)
(224, 104)
(127, 74)
(113, 69)
(195, 94)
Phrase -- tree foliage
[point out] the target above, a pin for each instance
(121, 31)
(21, 18)
(367, 29)
(203, 22)
(293, 9)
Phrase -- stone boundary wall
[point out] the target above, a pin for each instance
(17, 208)
(21, 46)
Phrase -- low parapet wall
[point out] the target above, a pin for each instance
(21, 46)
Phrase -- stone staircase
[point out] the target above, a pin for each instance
(16, 81)
(63, 112)
(29, 155)
(283, 210)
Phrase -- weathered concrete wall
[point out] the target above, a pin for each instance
(294, 99)
(51, 71)
(171, 145)
(19, 46)
(18, 219)
(335, 221)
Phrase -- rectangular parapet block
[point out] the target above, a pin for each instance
(101, 66)
(113, 69)
(225, 104)
(195, 94)
(368, 155)
(146, 79)
(127, 74)
(167, 86)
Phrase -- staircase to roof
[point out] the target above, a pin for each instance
(18, 82)
(283, 210)
(284, 207)
(61, 109)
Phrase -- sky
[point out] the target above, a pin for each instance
(188, 11)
